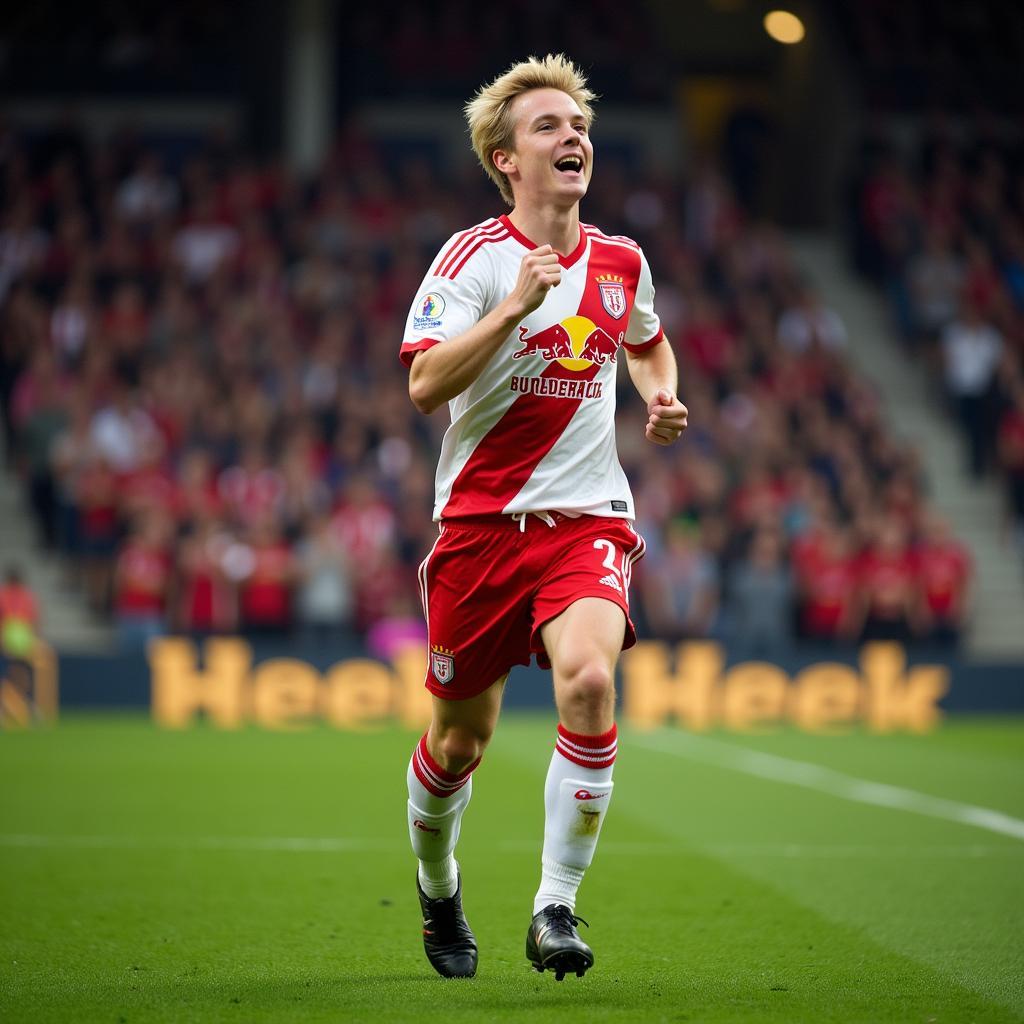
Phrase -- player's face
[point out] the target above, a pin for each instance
(550, 131)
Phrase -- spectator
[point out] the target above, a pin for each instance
(71, 453)
(39, 431)
(707, 342)
(204, 244)
(760, 593)
(325, 593)
(148, 195)
(40, 384)
(73, 322)
(936, 276)
(142, 582)
(829, 607)
(1011, 459)
(253, 490)
(681, 589)
(972, 349)
(205, 599)
(123, 432)
(99, 529)
(23, 244)
(365, 525)
(19, 617)
(889, 587)
(125, 328)
(943, 567)
(198, 495)
(380, 591)
(808, 323)
(267, 572)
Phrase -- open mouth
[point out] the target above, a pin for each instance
(569, 165)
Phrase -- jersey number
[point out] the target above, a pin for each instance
(623, 570)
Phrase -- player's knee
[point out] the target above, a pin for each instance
(589, 685)
(460, 745)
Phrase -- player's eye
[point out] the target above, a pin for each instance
(581, 128)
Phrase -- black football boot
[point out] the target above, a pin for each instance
(447, 938)
(552, 943)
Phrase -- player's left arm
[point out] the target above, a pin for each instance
(653, 372)
(652, 363)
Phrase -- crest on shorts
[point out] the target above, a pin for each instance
(613, 295)
(442, 663)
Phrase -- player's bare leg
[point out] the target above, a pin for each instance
(461, 729)
(583, 644)
(440, 779)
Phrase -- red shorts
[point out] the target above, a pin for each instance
(488, 587)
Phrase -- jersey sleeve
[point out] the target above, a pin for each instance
(444, 308)
(644, 329)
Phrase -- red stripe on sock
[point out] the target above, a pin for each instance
(433, 777)
(435, 767)
(588, 751)
(605, 739)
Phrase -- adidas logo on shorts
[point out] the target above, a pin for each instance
(611, 581)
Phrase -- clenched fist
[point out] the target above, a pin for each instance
(667, 418)
(538, 273)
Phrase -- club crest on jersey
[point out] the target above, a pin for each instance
(613, 294)
(429, 310)
(442, 664)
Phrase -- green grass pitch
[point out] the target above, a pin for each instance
(255, 876)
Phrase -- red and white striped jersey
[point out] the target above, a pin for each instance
(536, 430)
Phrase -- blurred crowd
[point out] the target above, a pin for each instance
(200, 382)
(920, 54)
(392, 48)
(939, 224)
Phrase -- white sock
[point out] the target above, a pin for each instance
(437, 800)
(576, 796)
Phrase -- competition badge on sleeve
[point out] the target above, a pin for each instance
(429, 311)
(442, 664)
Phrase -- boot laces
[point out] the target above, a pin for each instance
(442, 912)
(562, 919)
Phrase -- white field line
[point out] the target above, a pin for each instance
(286, 844)
(826, 780)
(335, 844)
(794, 851)
(861, 851)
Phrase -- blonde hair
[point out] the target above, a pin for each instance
(491, 125)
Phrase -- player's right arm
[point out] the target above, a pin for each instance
(441, 372)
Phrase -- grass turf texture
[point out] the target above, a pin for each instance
(254, 876)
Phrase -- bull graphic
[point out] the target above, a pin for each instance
(552, 343)
(599, 347)
(576, 338)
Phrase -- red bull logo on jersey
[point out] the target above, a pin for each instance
(577, 343)
(613, 294)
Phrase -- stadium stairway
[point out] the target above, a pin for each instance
(67, 623)
(974, 509)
